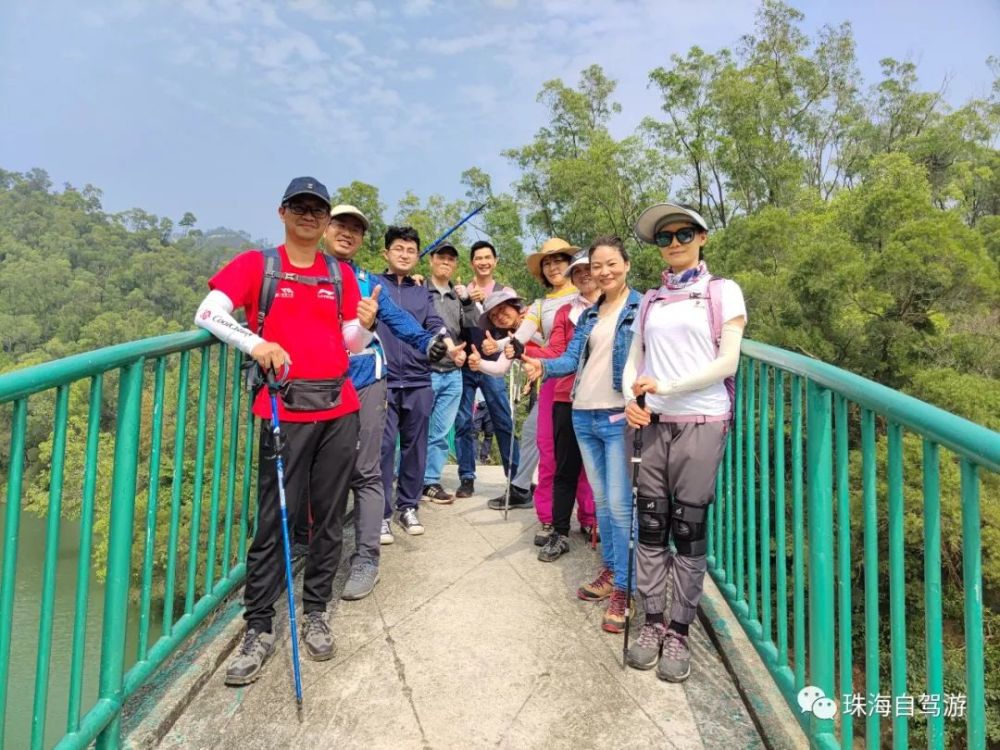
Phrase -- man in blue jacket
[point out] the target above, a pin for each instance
(410, 396)
(369, 371)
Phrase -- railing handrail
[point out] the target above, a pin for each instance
(962, 436)
(37, 378)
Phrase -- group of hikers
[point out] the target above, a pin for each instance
(372, 370)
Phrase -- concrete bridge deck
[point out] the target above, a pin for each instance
(468, 641)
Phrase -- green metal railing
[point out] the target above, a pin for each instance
(840, 443)
(156, 590)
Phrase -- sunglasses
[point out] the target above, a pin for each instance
(665, 238)
(299, 209)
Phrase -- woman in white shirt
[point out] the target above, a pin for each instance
(682, 359)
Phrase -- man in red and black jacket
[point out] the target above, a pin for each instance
(309, 327)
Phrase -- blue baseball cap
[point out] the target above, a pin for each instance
(306, 186)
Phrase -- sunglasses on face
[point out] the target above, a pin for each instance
(300, 209)
(665, 238)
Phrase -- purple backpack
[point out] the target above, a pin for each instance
(714, 297)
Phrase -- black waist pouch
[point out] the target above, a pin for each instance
(311, 395)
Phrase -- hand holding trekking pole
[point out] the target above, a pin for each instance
(270, 356)
(274, 386)
(640, 402)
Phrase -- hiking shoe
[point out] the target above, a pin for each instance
(555, 547)
(543, 534)
(249, 658)
(386, 537)
(467, 488)
(614, 616)
(361, 581)
(317, 637)
(518, 499)
(411, 524)
(437, 494)
(600, 588)
(675, 664)
(645, 652)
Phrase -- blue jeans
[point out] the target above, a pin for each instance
(495, 391)
(447, 387)
(602, 446)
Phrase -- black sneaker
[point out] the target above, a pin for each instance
(408, 520)
(518, 499)
(555, 547)
(437, 494)
(466, 489)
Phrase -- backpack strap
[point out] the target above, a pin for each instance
(273, 274)
(715, 309)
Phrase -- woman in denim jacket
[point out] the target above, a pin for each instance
(597, 354)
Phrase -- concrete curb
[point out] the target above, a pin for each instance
(774, 719)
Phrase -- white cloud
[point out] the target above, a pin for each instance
(351, 42)
(482, 96)
(417, 7)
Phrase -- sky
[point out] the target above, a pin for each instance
(212, 106)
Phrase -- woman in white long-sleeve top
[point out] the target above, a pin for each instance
(683, 357)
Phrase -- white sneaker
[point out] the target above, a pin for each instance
(387, 537)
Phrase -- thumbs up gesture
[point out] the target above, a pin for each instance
(474, 359)
(490, 346)
(368, 308)
(533, 368)
(456, 353)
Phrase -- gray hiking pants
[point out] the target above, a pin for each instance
(528, 449)
(679, 463)
(366, 482)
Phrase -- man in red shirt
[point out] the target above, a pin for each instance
(310, 325)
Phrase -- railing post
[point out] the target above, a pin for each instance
(120, 545)
(819, 494)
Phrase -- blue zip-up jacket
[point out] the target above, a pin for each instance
(370, 365)
(408, 365)
(575, 357)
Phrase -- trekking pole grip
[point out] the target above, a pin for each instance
(640, 400)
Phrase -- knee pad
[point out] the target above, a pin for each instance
(654, 520)
(687, 525)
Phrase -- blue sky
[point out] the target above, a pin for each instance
(211, 106)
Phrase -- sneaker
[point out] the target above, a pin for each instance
(437, 494)
(675, 664)
(518, 499)
(467, 488)
(555, 547)
(614, 616)
(543, 534)
(249, 659)
(361, 582)
(386, 537)
(411, 524)
(600, 588)
(645, 652)
(317, 637)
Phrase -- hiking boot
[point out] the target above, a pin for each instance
(614, 616)
(437, 494)
(249, 658)
(645, 652)
(675, 664)
(386, 536)
(317, 637)
(543, 534)
(555, 547)
(600, 588)
(518, 499)
(411, 524)
(466, 488)
(361, 581)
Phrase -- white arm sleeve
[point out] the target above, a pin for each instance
(720, 368)
(630, 373)
(215, 315)
(356, 336)
(498, 366)
(526, 330)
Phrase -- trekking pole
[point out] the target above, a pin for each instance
(640, 400)
(274, 385)
(445, 236)
(511, 395)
